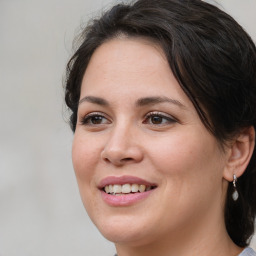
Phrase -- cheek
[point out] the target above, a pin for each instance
(85, 155)
(173, 152)
(190, 167)
(84, 158)
(188, 161)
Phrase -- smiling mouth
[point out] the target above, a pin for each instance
(126, 189)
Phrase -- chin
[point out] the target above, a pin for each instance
(123, 230)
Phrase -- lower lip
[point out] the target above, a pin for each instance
(126, 199)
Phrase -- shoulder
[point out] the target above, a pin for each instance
(248, 252)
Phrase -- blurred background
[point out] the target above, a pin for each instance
(40, 208)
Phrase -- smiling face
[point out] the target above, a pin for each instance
(137, 127)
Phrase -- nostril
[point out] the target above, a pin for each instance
(119, 161)
(107, 160)
(126, 159)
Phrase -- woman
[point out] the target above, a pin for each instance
(163, 108)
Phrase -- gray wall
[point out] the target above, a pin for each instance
(40, 208)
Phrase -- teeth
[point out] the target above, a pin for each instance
(117, 189)
(135, 187)
(142, 188)
(107, 189)
(148, 188)
(126, 189)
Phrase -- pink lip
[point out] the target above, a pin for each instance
(123, 180)
(126, 199)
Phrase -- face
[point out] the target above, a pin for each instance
(146, 166)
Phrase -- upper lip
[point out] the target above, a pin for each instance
(110, 180)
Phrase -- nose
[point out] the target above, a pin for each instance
(122, 147)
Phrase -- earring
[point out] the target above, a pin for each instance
(235, 194)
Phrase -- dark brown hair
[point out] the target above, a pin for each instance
(214, 61)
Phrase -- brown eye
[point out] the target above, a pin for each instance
(94, 119)
(156, 119)
(97, 119)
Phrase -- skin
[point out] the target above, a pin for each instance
(184, 214)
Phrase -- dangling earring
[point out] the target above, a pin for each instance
(235, 194)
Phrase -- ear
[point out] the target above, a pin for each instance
(239, 153)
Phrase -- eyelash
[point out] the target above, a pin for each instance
(168, 118)
(87, 120)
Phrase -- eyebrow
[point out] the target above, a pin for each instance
(159, 99)
(139, 103)
(95, 100)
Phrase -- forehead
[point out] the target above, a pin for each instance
(128, 62)
(128, 53)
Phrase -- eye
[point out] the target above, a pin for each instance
(94, 119)
(158, 118)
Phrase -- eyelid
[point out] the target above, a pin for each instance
(84, 118)
(168, 117)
